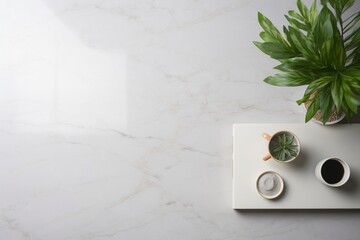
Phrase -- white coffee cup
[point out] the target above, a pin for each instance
(324, 173)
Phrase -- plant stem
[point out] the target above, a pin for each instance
(341, 27)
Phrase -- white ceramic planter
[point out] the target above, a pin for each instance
(321, 123)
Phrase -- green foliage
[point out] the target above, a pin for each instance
(320, 49)
(283, 147)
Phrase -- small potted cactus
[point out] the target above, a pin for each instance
(283, 146)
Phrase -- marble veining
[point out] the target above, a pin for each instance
(116, 118)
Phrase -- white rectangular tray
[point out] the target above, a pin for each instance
(302, 189)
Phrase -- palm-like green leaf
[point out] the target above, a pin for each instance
(270, 29)
(303, 44)
(326, 104)
(275, 50)
(313, 13)
(352, 41)
(313, 108)
(351, 22)
(304, 10)
(296, 24)
(337, 92)
(289, 79)
(351, 99)
(354, 57)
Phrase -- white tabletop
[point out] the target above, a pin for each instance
(302, 188)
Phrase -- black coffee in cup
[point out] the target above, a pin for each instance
(332, 171)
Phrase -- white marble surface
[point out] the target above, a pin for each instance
(116, 117)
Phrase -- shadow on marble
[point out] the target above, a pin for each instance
(356, 119)
(301, 160)
(351, 185)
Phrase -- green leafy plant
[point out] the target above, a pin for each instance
(319, 49)
(283, 147)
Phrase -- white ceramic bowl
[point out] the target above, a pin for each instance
(274, 195)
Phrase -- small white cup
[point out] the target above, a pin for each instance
(345, 177)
